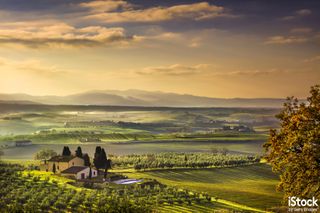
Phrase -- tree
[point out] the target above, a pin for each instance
(103, 159)
(45, 154)
(54, 168)
(79, 152)
(96, 159)
(103, 162)
(294, 150)
(66, 151)
(107, 167)
(100, 160)
(90, 173)
(86, 160)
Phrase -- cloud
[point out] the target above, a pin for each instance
(41, 34)
(297, 14)
(196, 11)
(288, 18)
(301, 30)
(254, 72)
(312, 59)
(298, 36)
(167, 36)
(303, 12)
(162, 36)
(286, 40)
(106, 5)
(34, 67)
(258, 72)
(175, 69)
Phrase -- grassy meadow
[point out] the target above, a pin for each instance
(252, 185)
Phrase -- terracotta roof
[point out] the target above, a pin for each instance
(74, 169)
(60, 158)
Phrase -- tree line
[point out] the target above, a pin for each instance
(188, 160)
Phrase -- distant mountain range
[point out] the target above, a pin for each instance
(140, 98)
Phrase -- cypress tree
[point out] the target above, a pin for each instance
(86, 160)
(96, 160)
(103, 158)
(54, 168)
(103, 161)
(79, 152)
(66, 151)
(108, 166)
(90, 173)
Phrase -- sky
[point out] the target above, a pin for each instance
(218, 48)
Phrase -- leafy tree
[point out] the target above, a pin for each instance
(79, 152)
(54, 168)
(294, 149)
(45, 154)
(66, 151)
(86, 160)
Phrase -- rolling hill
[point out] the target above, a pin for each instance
(143, 98)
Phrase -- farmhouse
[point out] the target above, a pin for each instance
(79, 172)
(23, 143)
(90, 140)
(61, 163)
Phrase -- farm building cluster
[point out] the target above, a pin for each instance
(77, 166)
(69, 166)
(18, 143)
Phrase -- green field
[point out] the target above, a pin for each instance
(142, 130)
(132, 130)
(253, 185)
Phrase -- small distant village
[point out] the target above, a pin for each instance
(17, 143)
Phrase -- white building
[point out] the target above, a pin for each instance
(23, 143)
(79, 172)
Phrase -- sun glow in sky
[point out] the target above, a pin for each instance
(218, 48)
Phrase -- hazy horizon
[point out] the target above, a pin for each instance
(128, 90)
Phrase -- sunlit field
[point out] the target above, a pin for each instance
(143, 131)
(249, 185)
